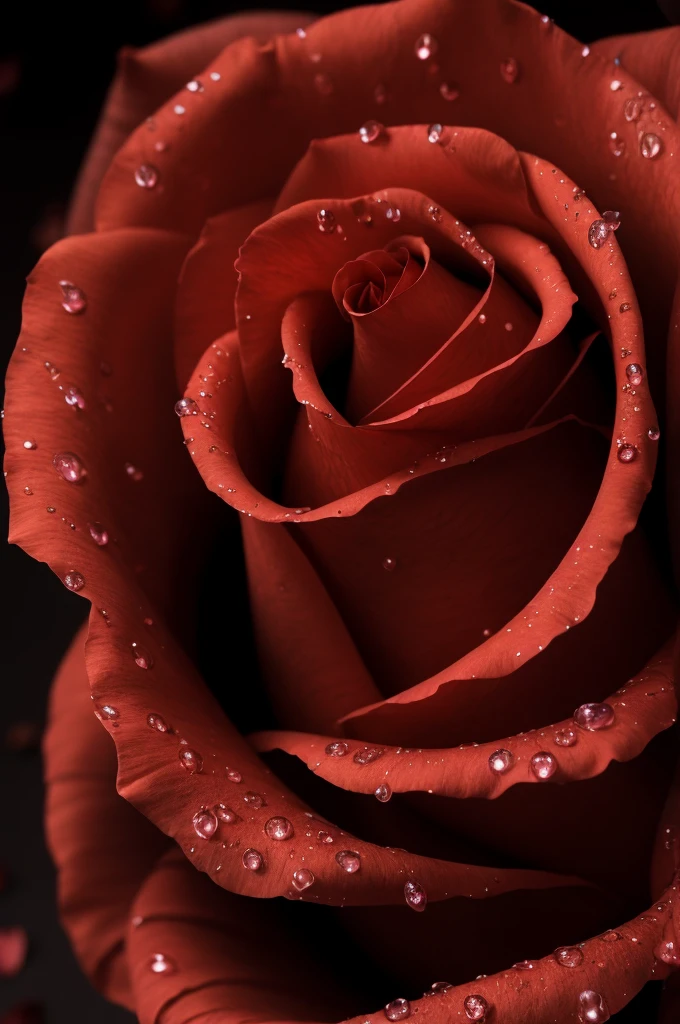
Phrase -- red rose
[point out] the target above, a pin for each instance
(441, 521)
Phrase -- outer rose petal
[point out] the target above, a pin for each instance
(651, 57)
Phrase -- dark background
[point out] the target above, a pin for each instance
(56, 62)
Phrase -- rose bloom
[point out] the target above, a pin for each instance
(429, 403)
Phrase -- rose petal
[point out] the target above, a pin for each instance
(651, 57)
(13, 950)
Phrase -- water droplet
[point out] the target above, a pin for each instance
(598, 233)
(72, 298)
(476, 1007)
(615, 85)
(389, 563)
(254, 800)
(592, 1008)
(594, 716)
(252, 860)
(438, 988)
(635, 373)
(667, 951)
(300, 33)
(654, 433)
(434, 133)
(393, 213)
(225, 814)
(338, 748)
(611, 936)
(565, 737)
(156, 722)
(74, 580)
(74, 397)
(108, 712)
(509, 70)
(371, 131)
(612, 219)
(383, 792)
(349, 861)
(191, 760)
(543, 764)
(146, 176)
(650, 145)
(30, 445)
(143, 658)
(568, 956)
(367, 755)
(509, 326)
(632, 109)
(278, 828)
(326, 221)
(215, 76)
(53, 371)
(500, 761)
(99, 534)
(434, 213)
(195, 85)
(162, 964)
(134, 473)
(302, 879)
(426, 46)
(415, 895)
(625, 307)
(449, 92)
(524, 965)
(233, 775)
(69, 466)
(179, 109)
(398, 1009)
(627, 453)
(617, 145)
(205, 823)
(186, 407)
(27, 490)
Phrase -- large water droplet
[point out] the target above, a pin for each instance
(635, 373)
(191, 760)
(278, 828)
(74, 580)
(650, 145)
(146, 176)
(143, 658)
(627, 453)
(654, 433)
(398, 1009)
(594, 716)
(565, 737)
(72, 298)
(592, 1008)
(367, 754)
(156, 722)
(254, 800)
(99, 534)
(612, 219)
(598, 233)
(426, 46)
(108, 712)
(252, 860)
(186, 407)
(162, 964)
(349, 861)
(568, 956)
(383, 792)
(543, 765)
(225, 814)
(337, 749)
(500, 761)
(69, 466)
(371, 131)
(233, 775)
(632, 109)
(509, 70)
(476, 1007)
(302, 879)
(415, 895)
(74, 397)
(205, 823)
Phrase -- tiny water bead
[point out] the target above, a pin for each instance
(594, 716)
(543, 765)
(367, 755)
(523, 965)
(371, 131)
(592, 1008)
(195, 85)
(654, 433)
(500, 761)
(252, 860)
(30, 446)
(186, 407)
(650, 145)
(69, 466)
(398, 1009)
(565, 737)
(349, 861)
(205, 823)
(476, 1007)
(426, 46)
(616, 144)
(162, 964)
(156, 722)
(191, 760)
(278, 828)
(389, 563)
(383, 792)
(568, 956)
(435, 213)
(302, 879)
(73, 299)
(509, 70)
(598, 233)
(74, 580)
(254, 800)
(142, 657)
(667, 952)
(627, 453)
(74, 397)
(434, 133)
(326, 221)
(635, 374)
(625, 307)
(415, 895)
(438, 988)
(632, 109)
(146, 176)
(611, 936)
(99, 534)
(225, 814)
(233, 775)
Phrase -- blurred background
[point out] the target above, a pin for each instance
(56, 62)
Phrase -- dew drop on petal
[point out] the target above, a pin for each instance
(72, 298)
(74, 397)
(302, 879)
(99, 534)
(617, 145)
(389, 563)
(383, 792)
(565, 737)
(326, 221)
(367, 755)
(143, 658)
(434, 133)
(509, 70)
(233, 775)
(438, 988)
(568, 956)
(74, 580)
(69, 466)
(612, 219)
(162, 964)
(611, 936)
(426, 46)
(252, 860)
(371, 131)
(598, 233)
(337, 749)
(625, 307)
(254, 800)
(415, 895)
(667, 951)
(30, 446)
(225, 814)
(650, 145)
(543, 765)
(191, 760)
(635, 374)
(108, 712)
(398, 1009)
(654, 433)
(632, 109)
(627, 453)
(186, 407)
(500, 761)
(278, 828)
(349, 861)
(205, 823)
(195, 85)
(146, 176)
(594, 716)
(592, 1008)
(156, 722)
(434, 213)
(476, 1007)
(524, 965)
